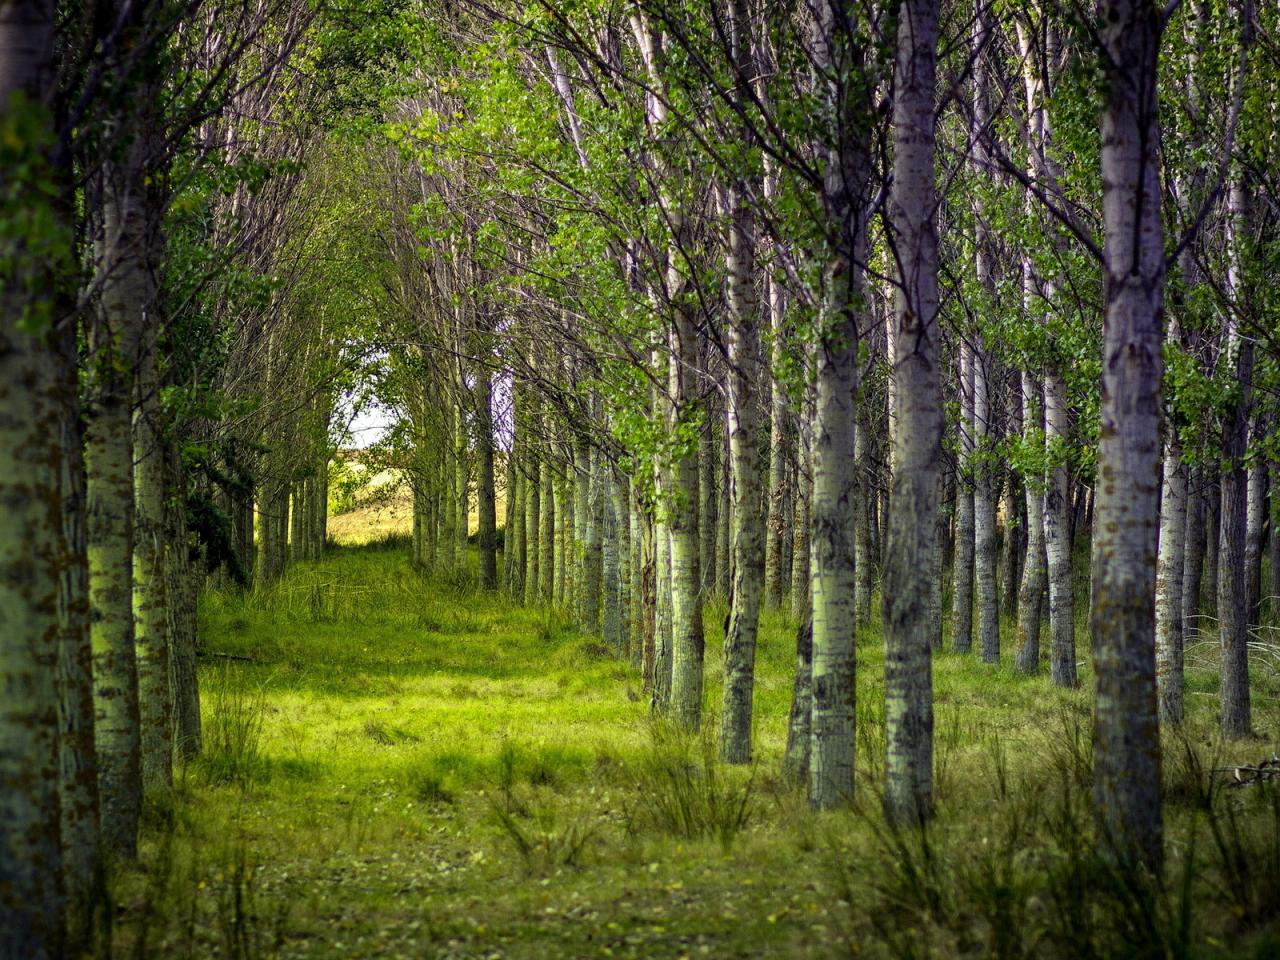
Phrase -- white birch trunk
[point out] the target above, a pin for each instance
(845, 165)
(1122, 621)
(962, 562)
(917, 450)
(32, 542)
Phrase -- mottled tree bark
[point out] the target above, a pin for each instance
(845, 163)
(533, 529)
(114, 344)
(1169, 570)
(985, 553)
(917, 450)
(708, 499)
(547, 535)
(962, 570)
(746, 376)
(682, 513)
(1273, 589)
(1122, 621)
(81, 847)
(1233, 596)
(486, 494)
(1255, 520)
(1193, 552)
(801, 579)
(150, 580)
(795, 760)
(1057, 536)
(1031, 592)
(32, 541)
(612, 547)
(779, 444)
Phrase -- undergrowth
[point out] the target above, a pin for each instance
(400, 764)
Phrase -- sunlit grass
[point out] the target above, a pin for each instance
(398, 765)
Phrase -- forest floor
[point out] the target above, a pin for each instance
(398, 766)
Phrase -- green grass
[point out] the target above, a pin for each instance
(402, 767)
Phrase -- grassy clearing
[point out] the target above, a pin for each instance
(404, 767)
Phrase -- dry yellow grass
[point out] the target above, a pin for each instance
(385, 508)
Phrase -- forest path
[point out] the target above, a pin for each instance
(403, 767)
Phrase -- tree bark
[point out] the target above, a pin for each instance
(81, 846)
(1193, 552)
(985, 554)
(1057, 536)
(1169, 571)
(746, 375)
(1031, 593)
(1233, 595)
(547, 537)
(150, 579)
(917, 451)
(32, 540)
(795, 760)
(486, 494)
(845, 163)
(1126, 727)
(962, 573)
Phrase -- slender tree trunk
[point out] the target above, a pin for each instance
(744, 414)
(486, 494)
(1169, 571)
(917, 450)
(1212, 503)
(1273, 590)
(862, 509)
(150, 579)
(1126, 726)
(1034, 571)
(81, 847)
(682, 508)
(779, 444)
(1233, 597)
(1013, 547)
(962, 576)
(724, 515)
(844, 194)
(593, 559)
(447, 516)
(662, 615)
(1193, 553)
(514, 545)
(641, 625)
(113, 344)
(547, 538)
(578, 576)
(615, 562)
(1255, 520)
(984, 507)
(533, 531)
(795, 761)
(461, 482)
(708, 469)
(1057, 537)
(801, 582)
(564, 524)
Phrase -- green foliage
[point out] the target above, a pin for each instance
(35, 238)
(347, 480)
